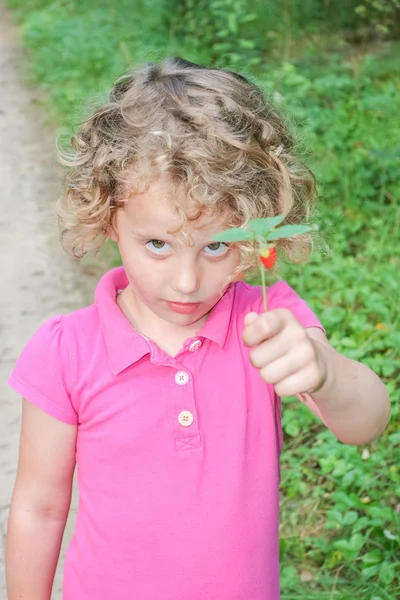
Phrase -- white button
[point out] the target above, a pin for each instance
(185, 418)
(181, 378)
(194, 346)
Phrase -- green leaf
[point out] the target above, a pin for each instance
(389, 535)
(350, 517)
(371, 571)
(387, 574)
(264, 226)
(233, 235)
(249, 18)
(335, 515)
(350, 547)
(292, 429)
(246, 44)
(373, 557)
(288, 231)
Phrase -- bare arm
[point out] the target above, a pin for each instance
(40, 504)
(353, 402)
(349, 398)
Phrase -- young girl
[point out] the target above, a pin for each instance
(165, 392)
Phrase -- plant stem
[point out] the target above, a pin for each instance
(264, 292)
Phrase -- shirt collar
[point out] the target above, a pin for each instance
(124, 345)
(217, 323)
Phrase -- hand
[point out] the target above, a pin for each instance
(285, 354)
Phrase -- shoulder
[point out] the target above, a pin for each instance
(56, 343)
(279, 295)
(61, 327)
(49, 365)
(248, 298)
(81, 322)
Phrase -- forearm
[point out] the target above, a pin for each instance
(353, 401)
(33, 548)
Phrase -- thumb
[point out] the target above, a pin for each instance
(250, 318)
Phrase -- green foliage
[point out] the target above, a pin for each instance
(288, 231)
(263, 226)
(341, 502)
(381, 16)
(340, 505)
(221, 27)
(237, 32)
(233, 235)
(260, 231)
(80, 48)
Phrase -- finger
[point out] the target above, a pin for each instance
(283, 368)
(269, 351)
(299, 382)
(265, 326)
(250, 318)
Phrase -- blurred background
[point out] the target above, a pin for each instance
(332, 66)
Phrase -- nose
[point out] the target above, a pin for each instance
(186, 278)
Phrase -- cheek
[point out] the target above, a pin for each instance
(145, 275)
(232, 263)
(220, 274)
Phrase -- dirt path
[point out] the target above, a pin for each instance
(37, 279)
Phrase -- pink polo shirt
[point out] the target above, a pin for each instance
(178, 457)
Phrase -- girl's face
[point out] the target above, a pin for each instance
(177, 276)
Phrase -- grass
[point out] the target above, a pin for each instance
(340, 531)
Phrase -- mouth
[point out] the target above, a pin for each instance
(184, 308)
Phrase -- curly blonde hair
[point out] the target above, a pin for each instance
(209, 129)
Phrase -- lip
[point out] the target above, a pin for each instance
(184, 308)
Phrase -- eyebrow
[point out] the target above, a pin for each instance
(168, 237)
(146, 236)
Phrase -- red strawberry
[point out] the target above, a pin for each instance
(268, 257)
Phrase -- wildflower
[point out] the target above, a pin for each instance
(268, 257)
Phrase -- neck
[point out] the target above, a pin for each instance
(168, 336)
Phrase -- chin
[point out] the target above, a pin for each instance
(186, 319)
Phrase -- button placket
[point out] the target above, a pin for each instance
(185, 418)
(181, 378)
(195, 345)
(186, 431)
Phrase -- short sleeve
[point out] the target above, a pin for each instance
(281, 295)
(40, 372)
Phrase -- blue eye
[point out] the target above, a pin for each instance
(216, 249)
(158, 246)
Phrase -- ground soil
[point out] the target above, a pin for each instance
(37, 279)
